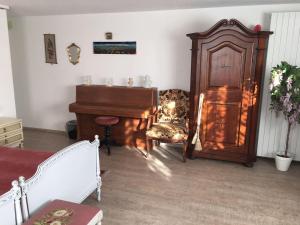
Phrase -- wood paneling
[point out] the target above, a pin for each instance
(221, 125)
(226, 63)
(227, 92)
(284, 45)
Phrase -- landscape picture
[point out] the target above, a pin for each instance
(114, 47)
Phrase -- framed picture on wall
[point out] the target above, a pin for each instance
(50, 48)
(124, 47)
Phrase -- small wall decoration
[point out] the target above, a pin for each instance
(114, 47)
(108, 35)
(50, 48)
(73, 53)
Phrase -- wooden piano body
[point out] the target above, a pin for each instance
(132, 105)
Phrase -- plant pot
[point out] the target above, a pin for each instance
(283, 163)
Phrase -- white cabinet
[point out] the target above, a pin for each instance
(11, 132)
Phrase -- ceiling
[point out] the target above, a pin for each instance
(56, 7)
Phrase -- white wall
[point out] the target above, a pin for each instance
(44, 91)
(7, 98)
(284, 45)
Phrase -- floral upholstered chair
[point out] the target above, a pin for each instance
(170, 120)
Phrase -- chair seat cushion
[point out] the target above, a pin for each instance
(168, 131)
(106, 120)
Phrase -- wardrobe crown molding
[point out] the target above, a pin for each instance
(225, 24)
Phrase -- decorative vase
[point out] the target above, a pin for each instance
(283, 163)
(109, 82)
(87, 80)
(147, 81)
(130, 82)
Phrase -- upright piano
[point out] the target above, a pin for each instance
(132, 105)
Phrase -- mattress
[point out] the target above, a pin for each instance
(15, 162)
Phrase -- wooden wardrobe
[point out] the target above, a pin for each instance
(228, 63)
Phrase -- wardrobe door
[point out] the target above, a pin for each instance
(226, 77)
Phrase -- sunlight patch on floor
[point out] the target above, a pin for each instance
(154, 163)
(160, 152)
(157, 166)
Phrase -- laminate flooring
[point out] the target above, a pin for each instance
(161, 190)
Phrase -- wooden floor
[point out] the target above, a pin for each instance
(162, 190)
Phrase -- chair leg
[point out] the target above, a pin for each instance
(185, 145)
(149, 144)
(157, 143)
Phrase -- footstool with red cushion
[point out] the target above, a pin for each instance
(107, 122)
(60, 212)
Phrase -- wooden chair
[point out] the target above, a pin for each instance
(169, 123)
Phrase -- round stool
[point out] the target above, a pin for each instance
(107, 122)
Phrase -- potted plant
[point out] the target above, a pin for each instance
(285, 98)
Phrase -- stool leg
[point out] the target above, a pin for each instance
(107, 138)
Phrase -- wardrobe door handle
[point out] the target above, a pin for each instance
(248, 80)
(249, 83)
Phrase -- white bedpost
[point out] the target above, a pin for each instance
(100, 218)
(99, 181)
(24, 202)
(17, 193)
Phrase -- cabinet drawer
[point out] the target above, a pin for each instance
(2, 142)
(14, 138)
(11, 133)
(10, 128)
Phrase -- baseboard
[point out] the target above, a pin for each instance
(45, 130)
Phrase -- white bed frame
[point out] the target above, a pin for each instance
(10, 208)
(71, 174)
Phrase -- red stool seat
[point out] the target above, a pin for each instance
(107, 120)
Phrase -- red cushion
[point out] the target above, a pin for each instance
(63, 211)
(107, 120)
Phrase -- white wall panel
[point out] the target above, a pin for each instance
(7, 97)
(284, 45)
